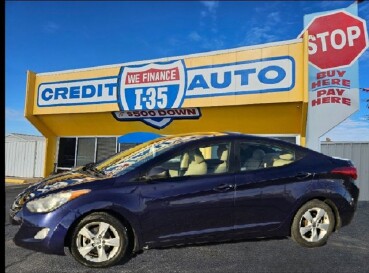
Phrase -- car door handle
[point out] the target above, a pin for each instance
(303, 175)
(224, 187)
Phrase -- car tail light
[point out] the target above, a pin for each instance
(349, 171)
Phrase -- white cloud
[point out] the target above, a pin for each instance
(174, 42)
(349, 130)
(13, 114)
(259, 34)
(194, 36)
(214, 43)
(208, 21)
(211, 6)
(51, 27)
(274, 17)
(209, 13)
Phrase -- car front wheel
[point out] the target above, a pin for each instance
(312, 224)
(99, 240)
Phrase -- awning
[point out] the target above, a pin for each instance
(138, 137)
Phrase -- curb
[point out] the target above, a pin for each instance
(15, 180)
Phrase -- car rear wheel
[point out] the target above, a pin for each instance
(99, 240)
(313, 224)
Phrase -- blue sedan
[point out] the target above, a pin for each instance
(182, 189)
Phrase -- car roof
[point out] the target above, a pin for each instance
(238, 135)
(198, 133)
(217, 134)
(225, 135)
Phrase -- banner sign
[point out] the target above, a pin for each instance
(152, 86)
(158, 118)
(336, 40)
(155, 92)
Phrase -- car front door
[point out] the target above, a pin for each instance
(189, 205)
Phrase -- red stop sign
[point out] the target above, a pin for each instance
(336, 40)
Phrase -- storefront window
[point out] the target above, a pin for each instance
(106, 146)
(80, 151)
(85, 151)
(67, 148)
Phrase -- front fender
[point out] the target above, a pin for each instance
(124, 211)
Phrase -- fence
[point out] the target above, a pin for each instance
(358, 152)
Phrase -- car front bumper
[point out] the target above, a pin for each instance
(30, 224)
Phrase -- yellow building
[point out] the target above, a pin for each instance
(256, 90)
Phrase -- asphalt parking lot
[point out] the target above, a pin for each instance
(346, 251)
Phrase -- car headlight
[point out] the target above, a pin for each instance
(53, 201)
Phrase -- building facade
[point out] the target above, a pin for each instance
(256, 90)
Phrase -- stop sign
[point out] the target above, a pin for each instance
(336, 40)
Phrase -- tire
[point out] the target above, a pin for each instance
(99, 240)
(313, 224)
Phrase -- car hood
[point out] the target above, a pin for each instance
(54, 182)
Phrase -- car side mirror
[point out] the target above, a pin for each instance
(158, 173)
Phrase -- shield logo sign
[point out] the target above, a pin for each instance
(150, 88)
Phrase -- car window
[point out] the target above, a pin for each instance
(200, 160)
(138, 155)
(255, 156)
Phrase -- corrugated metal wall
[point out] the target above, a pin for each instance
(358, 152)
(24, 158)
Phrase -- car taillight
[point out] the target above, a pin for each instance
(349, 171)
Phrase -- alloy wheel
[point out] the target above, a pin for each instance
(98, 242)
(314, 224)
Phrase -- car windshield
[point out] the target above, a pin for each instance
(125, 161)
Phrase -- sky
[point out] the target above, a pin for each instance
(47, 36)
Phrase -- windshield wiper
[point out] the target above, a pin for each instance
(91, 167)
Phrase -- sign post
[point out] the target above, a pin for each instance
(336, 41)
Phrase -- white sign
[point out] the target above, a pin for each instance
(269, 75)
(336, 40)
(93, 91)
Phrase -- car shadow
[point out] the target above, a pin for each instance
(197, 244)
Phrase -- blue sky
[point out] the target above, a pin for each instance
(45, 36)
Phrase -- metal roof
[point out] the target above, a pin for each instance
(22, 137)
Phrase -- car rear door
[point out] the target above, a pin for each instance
(265, 188)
